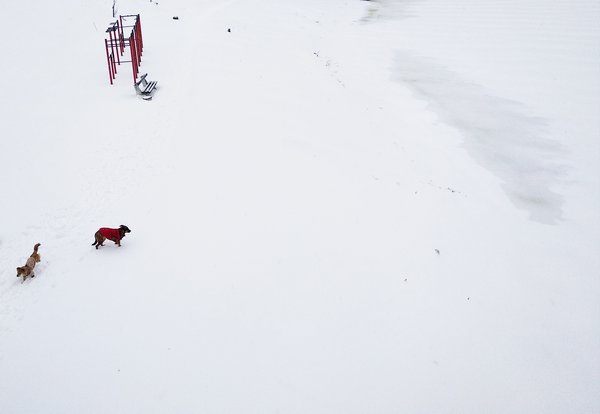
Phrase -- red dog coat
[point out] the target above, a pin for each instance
(110, 234)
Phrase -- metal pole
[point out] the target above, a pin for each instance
(133, 58)
(122, 42)
(108, 61)
(113, 46)
(112, 59)
(133, 45)
(117, 44)
(138, 49)
(139, 21)
(119, 38)
(138, 37)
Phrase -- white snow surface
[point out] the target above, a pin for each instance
(339, 206)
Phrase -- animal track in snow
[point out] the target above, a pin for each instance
(332, 67)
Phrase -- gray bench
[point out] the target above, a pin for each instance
(143, 87)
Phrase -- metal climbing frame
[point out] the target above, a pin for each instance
(116, 43)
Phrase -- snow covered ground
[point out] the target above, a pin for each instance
(337, 207)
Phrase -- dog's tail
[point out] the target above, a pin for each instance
(95, 242)
(35, 248)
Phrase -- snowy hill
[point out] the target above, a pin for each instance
(336, 207)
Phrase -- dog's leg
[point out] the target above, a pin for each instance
(98, 239)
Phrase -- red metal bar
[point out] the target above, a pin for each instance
(138, 49)
(140, 32)
(119, 38)
(112, 59)
(122, 40)
(110, 76)
(121, 20)
(137, 46)
(117, 47)
(112, 46)
(121, 43)
(133, 46)
(137, 39)
(133, 57)
(139, 21)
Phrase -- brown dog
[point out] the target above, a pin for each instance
(111, 234)
(27, 270)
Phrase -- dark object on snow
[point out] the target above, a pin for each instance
(27, 270)
(111, 234)
(437, 251)
(175, 17)
(228, 30)
(145, 88)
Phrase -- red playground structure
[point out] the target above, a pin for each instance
(115, 44)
